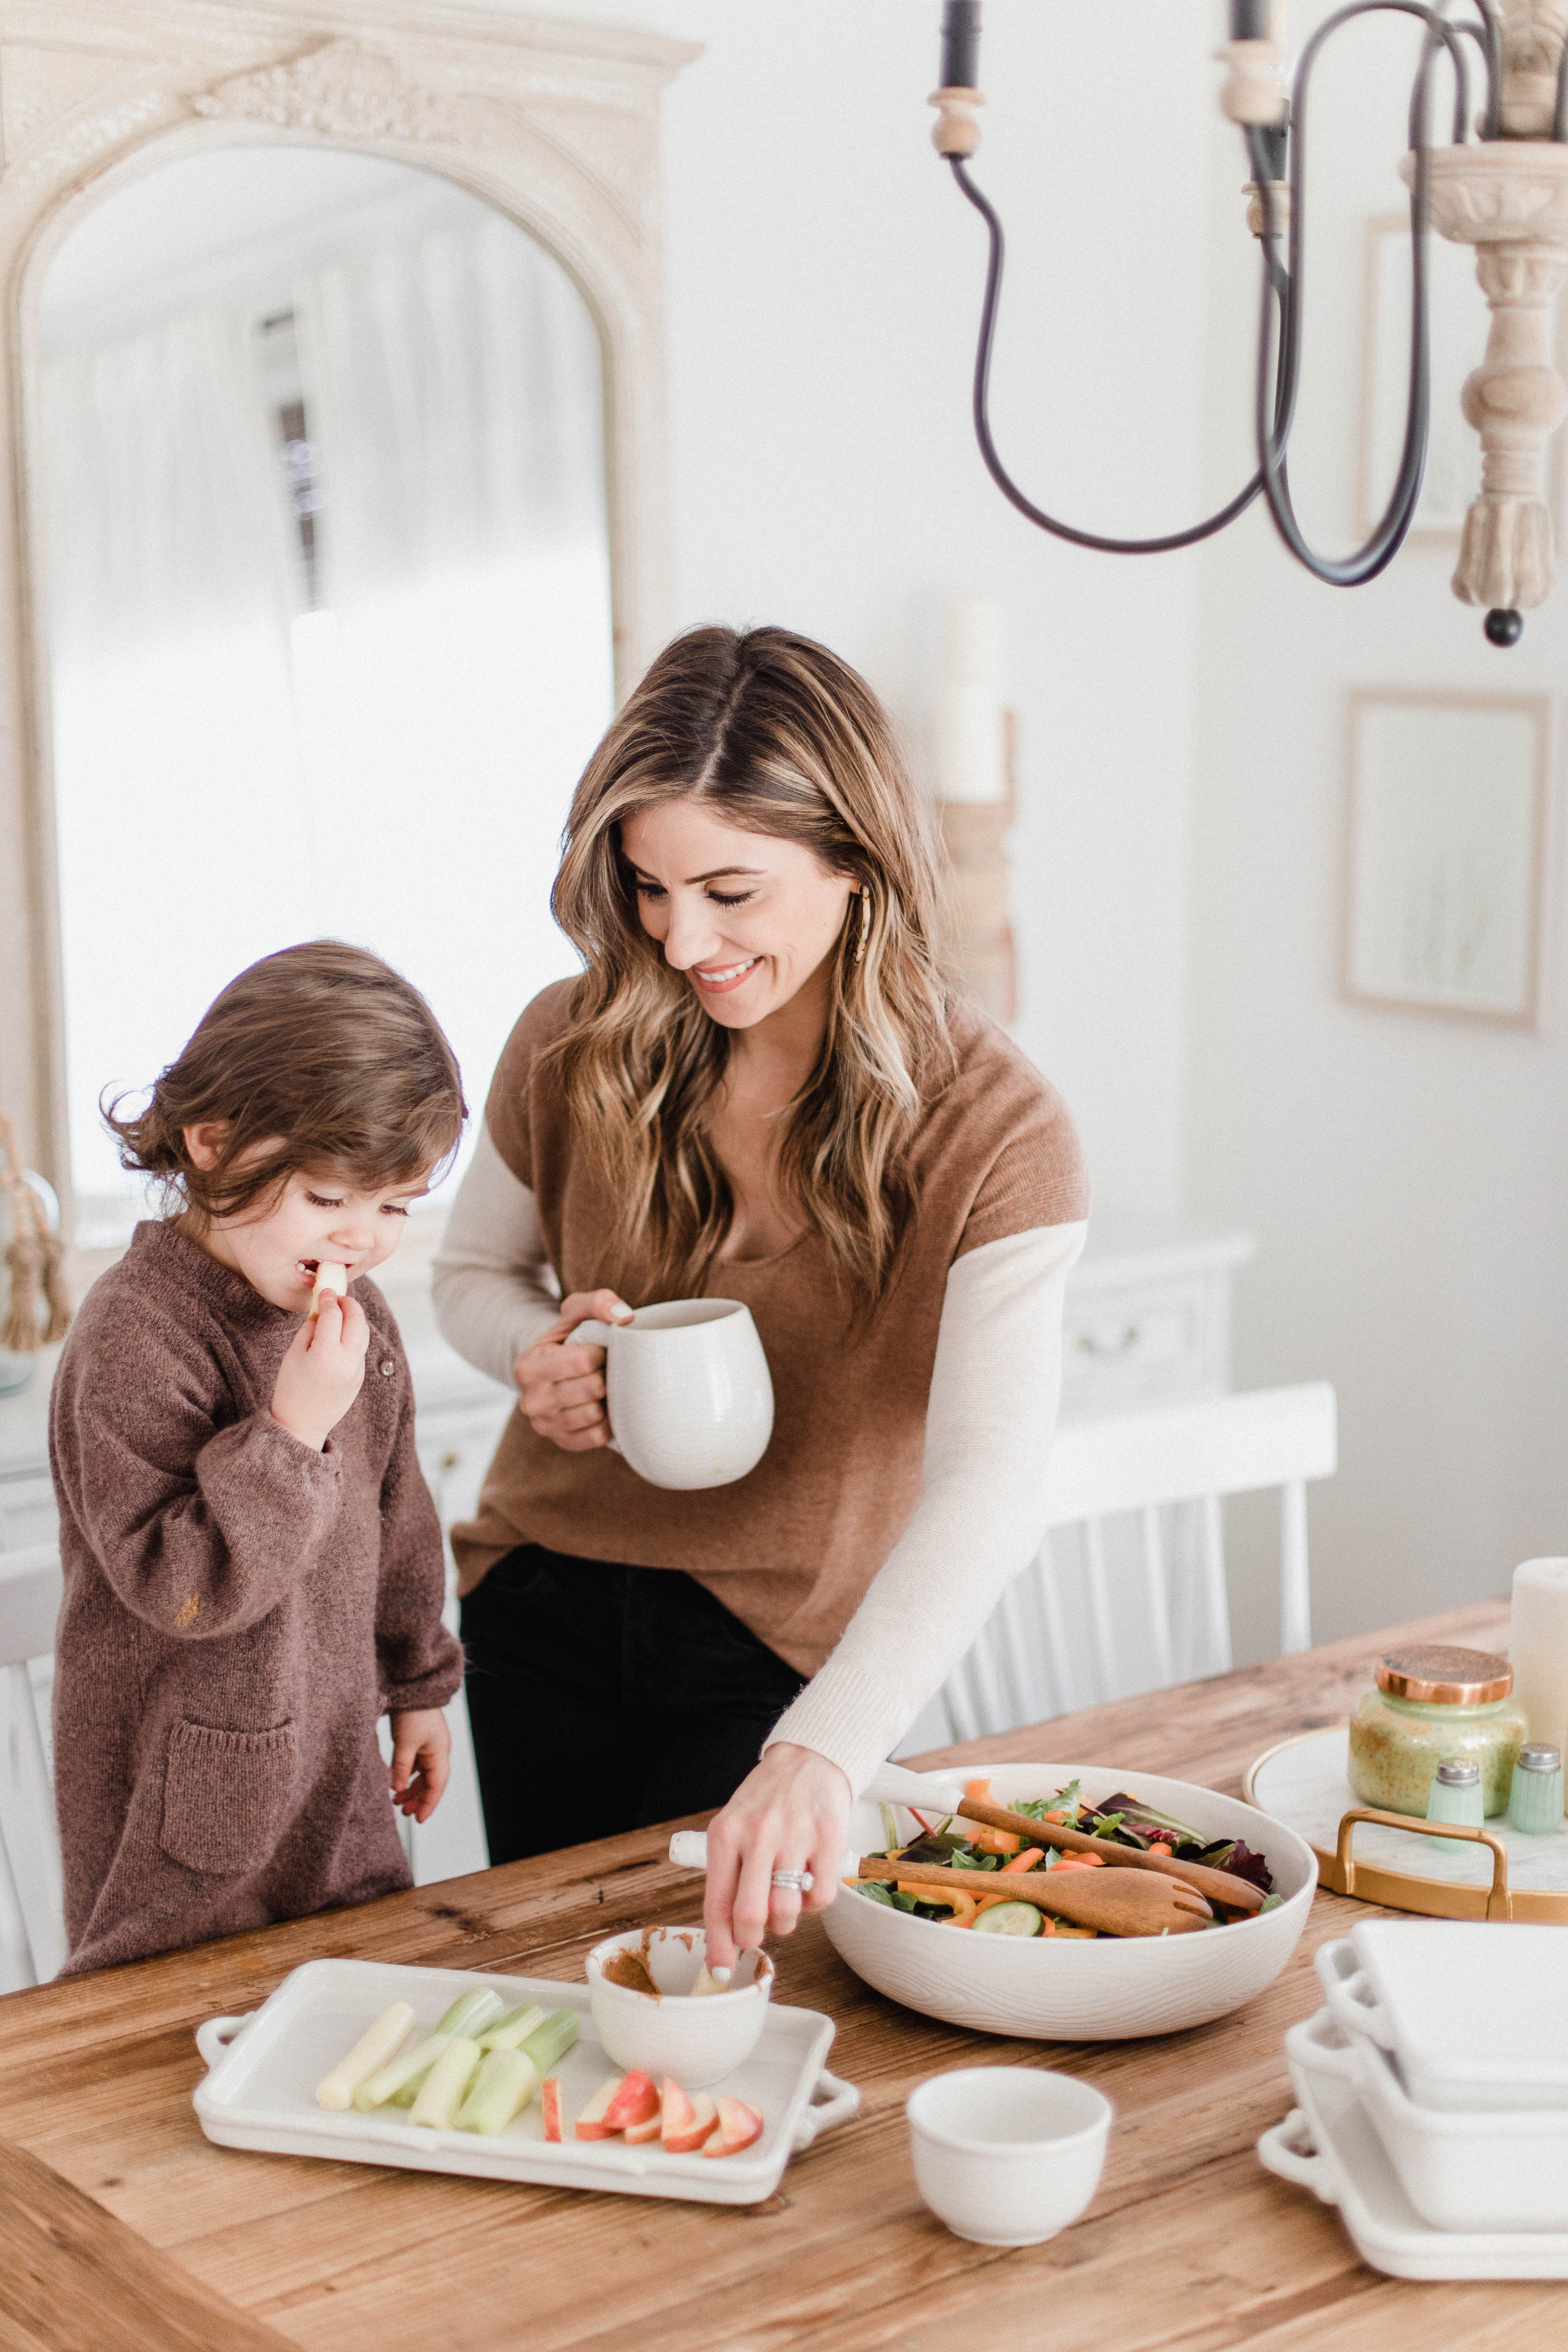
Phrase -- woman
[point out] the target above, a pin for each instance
(758, 1089)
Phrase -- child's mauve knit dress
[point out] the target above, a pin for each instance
(238, 1611)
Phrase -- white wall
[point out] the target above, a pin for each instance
(825, 279)
(1403, 1174)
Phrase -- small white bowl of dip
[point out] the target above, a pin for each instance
(698, 2038)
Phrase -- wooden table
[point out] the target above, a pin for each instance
(121, 2227)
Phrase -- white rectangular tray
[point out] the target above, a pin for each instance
(1330, 2146)
(259, 2090)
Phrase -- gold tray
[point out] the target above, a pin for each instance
(1402, 1890)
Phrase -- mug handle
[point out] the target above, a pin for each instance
(592, 1333)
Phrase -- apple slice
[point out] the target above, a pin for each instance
(635, 2101)
(706, 1981)
(591, 2123)
(692, 2120)
(328, 1278)
(635, 2134)
(739, 2125)
(549, 2101)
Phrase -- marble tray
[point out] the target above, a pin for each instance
(1474, 1874)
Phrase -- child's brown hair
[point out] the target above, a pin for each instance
(322, 1051)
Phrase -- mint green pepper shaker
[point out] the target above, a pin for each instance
(1535, 1799)
(1455, 1797)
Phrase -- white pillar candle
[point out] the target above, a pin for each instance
(1538, 1647)
(968, 744)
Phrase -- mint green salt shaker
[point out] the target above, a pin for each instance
(1456, 1796)
(1535, 1798)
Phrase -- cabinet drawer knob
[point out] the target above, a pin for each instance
(1090, 1345)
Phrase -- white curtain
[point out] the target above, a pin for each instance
(461, 673)
(234, 771)
(183, 835)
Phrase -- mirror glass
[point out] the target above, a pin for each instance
(328, 590)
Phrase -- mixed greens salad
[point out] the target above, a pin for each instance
(996, 1855)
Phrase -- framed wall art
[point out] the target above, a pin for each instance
(1448, 844)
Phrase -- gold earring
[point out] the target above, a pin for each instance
(865, 922)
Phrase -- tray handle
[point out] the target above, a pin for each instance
(1348, 1994)
(215, 2034)
(1288, 2150)
(840, 2102)
(1309, 2043)
(1340, 1875)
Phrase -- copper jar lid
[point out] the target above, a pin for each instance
(1441, 1677)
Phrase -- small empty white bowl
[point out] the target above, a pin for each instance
(697, 2037)
(1007, 2156)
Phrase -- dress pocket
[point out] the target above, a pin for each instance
(225, 1793)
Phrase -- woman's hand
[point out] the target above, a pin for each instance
(791, 1813)
(560, 1387)
(421, 1758)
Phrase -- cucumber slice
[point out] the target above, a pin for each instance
(472, 2012)
(1009, 1919)
(442, 2093)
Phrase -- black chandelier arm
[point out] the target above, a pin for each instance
(1274, 287)
(1487, 37)
(1379, 551)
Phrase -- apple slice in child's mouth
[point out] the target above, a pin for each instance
(329, 1277)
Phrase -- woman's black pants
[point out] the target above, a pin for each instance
(604, 1698)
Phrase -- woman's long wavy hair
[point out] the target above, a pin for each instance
(775, 735)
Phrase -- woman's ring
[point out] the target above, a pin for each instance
(799, 1882)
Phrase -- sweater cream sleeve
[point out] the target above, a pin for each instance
(492, 1286)
(995, 1391)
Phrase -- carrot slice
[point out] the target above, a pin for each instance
(1026, 1861)
(963, 1904)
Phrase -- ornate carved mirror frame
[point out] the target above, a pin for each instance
(554, 124)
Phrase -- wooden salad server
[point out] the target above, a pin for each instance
(1219, 1886)
(1116, 1902)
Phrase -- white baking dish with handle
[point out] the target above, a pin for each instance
(1462, 2171)
(1472, 2011)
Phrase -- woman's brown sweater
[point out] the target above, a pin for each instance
(238, 1611)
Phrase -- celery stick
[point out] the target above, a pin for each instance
(402, 2073)
(502, 2087)
(549, 2042)
(375, 2048)
(511, 2032)
(472, 2010)
(445, 2084)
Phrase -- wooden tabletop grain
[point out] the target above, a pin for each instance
(123, 2229)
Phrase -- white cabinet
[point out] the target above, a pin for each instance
(1147, 1319)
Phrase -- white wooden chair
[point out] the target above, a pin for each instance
(1142, 1493)
(32, 1913)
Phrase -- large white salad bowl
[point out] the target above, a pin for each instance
(1107, 1989)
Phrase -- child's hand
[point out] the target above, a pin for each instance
(323, 1370)
(421, 1755)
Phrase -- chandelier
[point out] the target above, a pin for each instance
(1499, 183)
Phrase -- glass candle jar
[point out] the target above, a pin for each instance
(1535, 1799)
(1455, 1796)
(1432, 1705)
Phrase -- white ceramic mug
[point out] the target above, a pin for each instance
(1006, 2155)
(688, 1391)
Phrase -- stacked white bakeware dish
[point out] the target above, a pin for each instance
(1433, 2096)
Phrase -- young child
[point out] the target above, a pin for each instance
(253, 1565)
